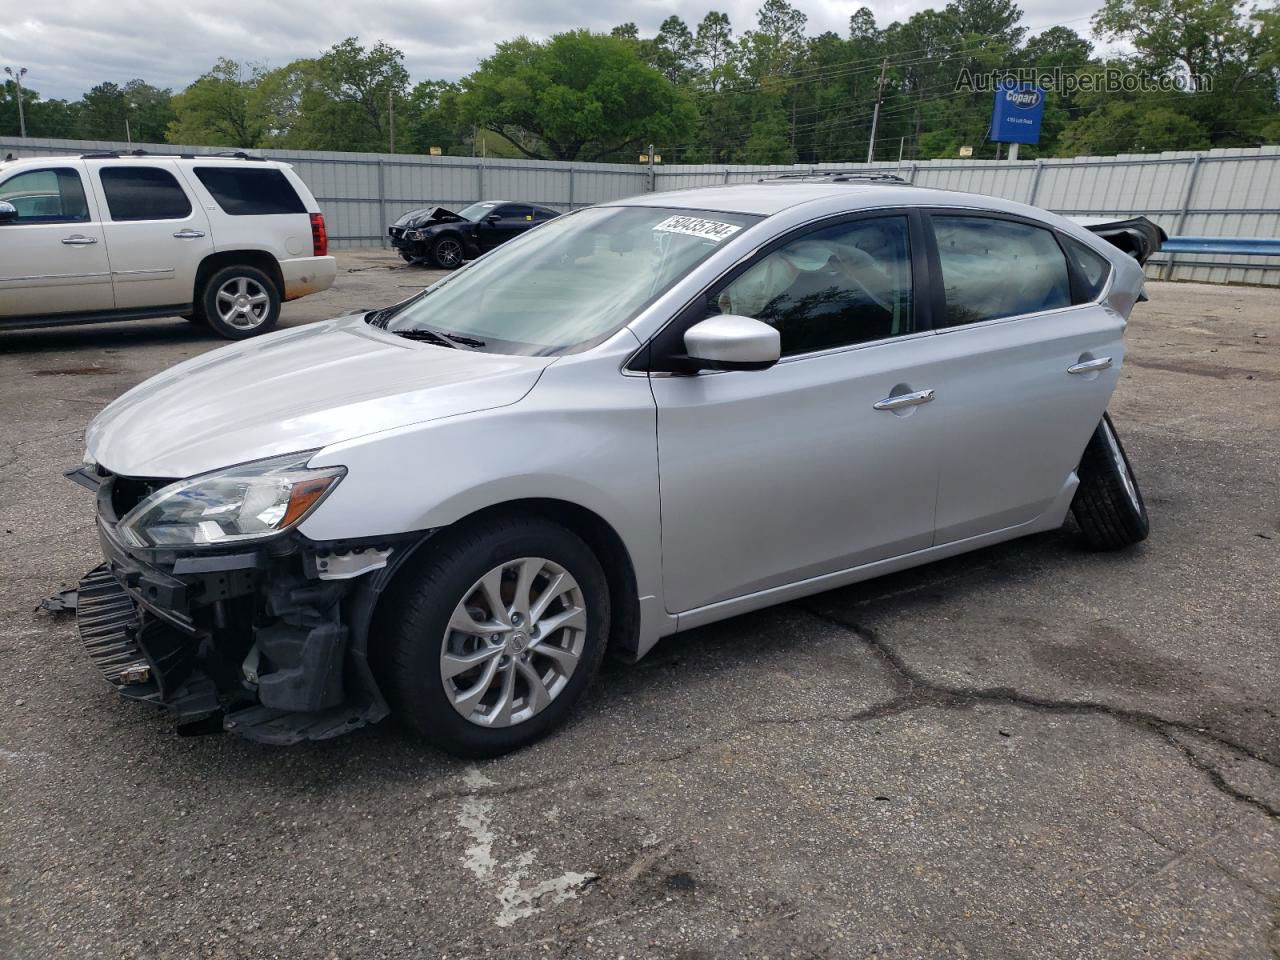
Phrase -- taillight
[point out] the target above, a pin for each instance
(319, 236)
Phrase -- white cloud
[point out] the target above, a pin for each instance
(72, 45)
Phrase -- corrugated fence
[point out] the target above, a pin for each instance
(1216, 193)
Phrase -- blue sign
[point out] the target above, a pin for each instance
(1016, 116)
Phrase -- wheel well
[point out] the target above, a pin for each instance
(599, 535)
(234, 258)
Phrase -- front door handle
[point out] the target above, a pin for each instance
(904, 400)
(1090, 366)
(188, 235)
(78, 240)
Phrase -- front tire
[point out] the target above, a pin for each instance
(1108, 505)
(239, 302)
(446, 253)
(491, 639)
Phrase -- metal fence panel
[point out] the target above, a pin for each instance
(1232, 192)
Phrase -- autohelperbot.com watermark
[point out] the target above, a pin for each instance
(1067, 82)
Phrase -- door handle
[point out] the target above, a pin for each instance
(1090, 366)
(78, 240)
(188, 235)
(904, 400)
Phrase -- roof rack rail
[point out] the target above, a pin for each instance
(837, 176)
(116, 155)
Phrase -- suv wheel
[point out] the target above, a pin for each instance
(446, 253)
(492, 639)
(240, 302)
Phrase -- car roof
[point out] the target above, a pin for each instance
(769, 197)
(143, 158)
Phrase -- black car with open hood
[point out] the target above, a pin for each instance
(445, 239)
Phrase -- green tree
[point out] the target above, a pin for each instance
(106, 107)
(578, 95)
(220, 108)
(431, 119)
(347, 97)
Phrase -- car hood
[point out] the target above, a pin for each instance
(294, 390)
(427, 215)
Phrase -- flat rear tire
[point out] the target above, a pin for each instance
(1108, 504)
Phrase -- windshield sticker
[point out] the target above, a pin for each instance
(712, 230)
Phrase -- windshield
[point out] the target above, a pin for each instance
(477, 211)
(567, 284)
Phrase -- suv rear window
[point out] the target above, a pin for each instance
(143, 193)
(250, 193)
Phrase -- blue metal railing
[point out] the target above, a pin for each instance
(1230, 246)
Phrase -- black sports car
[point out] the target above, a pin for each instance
(446, 238)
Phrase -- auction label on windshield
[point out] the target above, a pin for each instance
(696, 227)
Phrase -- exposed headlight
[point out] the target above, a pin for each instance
(249, 502)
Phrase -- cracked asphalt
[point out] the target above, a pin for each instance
(1029, 751)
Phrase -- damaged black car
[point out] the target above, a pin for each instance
(445, 239)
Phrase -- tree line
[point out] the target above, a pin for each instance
(771, 93)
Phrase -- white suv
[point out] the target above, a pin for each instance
(221, 240)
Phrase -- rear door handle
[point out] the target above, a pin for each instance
(1090, 366)
(78, 240)
(904, 400)
(188, 235)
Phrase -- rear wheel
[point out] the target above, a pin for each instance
(239, 302)
(446, 253)
(1108, 505)
(490, 641)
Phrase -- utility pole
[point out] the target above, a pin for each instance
(17, 79)
(391, 121)
(875, 117)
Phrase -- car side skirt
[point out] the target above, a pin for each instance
(100, 316)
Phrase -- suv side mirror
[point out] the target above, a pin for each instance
(8, 212)
(731, 342)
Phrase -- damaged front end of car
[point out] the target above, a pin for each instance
(264, 636)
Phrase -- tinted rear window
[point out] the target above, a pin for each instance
(144, 193)
(1091, 271)
(250, 193)
(993, 269)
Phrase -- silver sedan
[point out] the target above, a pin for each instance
(633, 420)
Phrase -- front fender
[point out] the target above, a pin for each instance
(585, 435)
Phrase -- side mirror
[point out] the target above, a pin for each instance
(8, 212)
(493, 218)
(730, 342)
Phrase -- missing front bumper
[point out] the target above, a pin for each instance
(178, 642)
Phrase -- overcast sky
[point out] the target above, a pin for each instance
(70, 45)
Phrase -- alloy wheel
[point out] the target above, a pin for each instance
(1122, 468)
(513, 642)
(242, 303)
(449, 253)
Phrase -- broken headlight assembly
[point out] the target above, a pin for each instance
(252, 501)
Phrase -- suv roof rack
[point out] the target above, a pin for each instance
(836, 176)
(117, 155)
